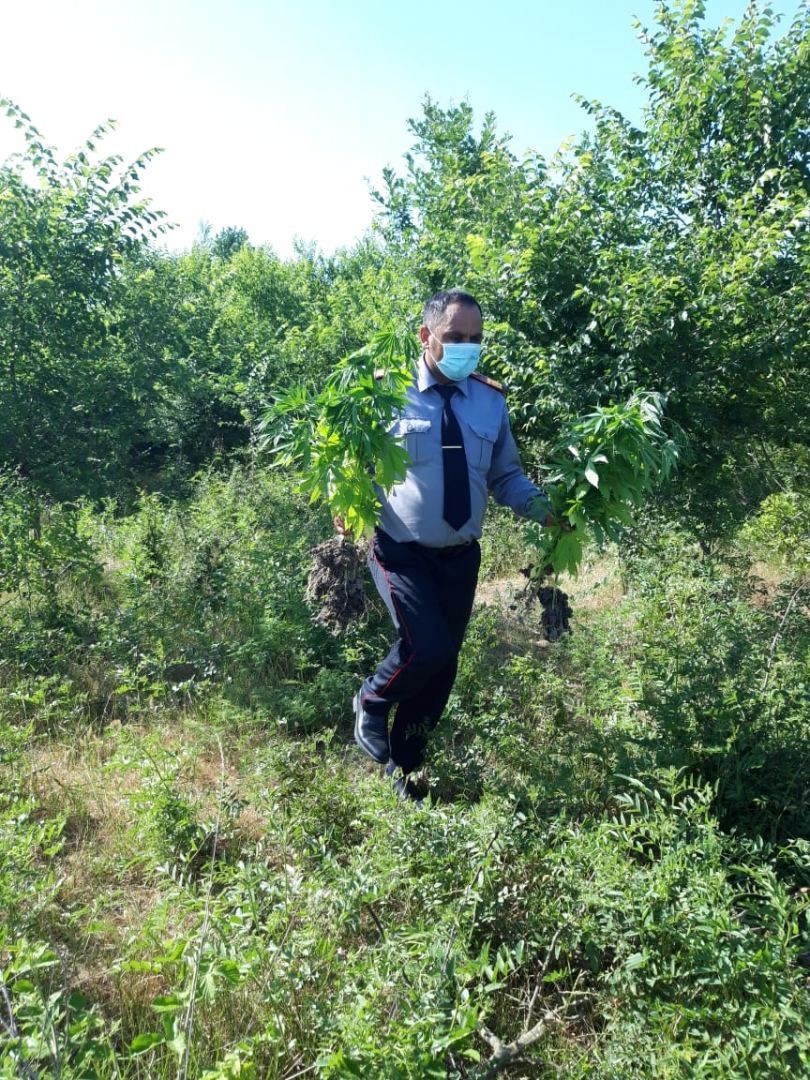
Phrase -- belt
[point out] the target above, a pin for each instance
(449, 552)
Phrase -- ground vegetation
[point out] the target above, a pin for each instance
(610, 877)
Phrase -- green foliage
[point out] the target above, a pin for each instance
(781, 530)
(118, 359)
(226, 330)
(616, 828)
(74, 391)
(678, 929)
(48, 572)
(671, 254)
(105, 616)
(338, 440)
(38, 543)
(228, 242)
(604, 465)
(47, 1026)
(30, 842)
(724, 682)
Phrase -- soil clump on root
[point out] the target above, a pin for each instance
(335, 584)
(556, 610)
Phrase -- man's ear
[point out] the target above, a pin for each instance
(424, 335)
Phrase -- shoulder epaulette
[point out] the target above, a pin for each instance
(485, 379)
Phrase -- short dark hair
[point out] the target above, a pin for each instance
(441, 301)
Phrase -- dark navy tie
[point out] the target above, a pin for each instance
(454, 459)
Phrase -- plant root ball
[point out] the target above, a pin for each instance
(557, 611)
(335, 585)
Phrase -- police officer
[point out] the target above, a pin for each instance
(425, 553)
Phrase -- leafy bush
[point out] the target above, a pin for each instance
(781, 530)
(128, 614)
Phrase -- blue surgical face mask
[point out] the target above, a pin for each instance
(459, 359)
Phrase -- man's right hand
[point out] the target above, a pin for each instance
(539, 511)
(563, 523)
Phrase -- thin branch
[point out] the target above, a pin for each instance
(777, 636)
(552, 945)
(302, 1072)
(505, 1054)
(376, 919)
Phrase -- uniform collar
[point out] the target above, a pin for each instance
(425, 379)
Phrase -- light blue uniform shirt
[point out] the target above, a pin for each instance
(413, 510)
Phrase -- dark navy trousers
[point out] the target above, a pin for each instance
(429, 593)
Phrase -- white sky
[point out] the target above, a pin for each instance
(274, 114)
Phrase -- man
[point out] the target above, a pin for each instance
(425, 554)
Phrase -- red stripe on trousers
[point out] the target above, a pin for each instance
(402, 622)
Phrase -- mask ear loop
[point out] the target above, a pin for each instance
(426, 350)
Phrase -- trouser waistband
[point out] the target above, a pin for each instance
(448, 552)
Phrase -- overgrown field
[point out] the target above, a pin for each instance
(202, 876)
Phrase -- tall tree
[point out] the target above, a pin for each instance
(72, 393)
(673, 255)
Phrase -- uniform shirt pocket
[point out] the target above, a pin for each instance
(413, 432)
(483, 439)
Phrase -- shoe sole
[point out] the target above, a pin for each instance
(358, 738)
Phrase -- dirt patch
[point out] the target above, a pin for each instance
(521, 598)
(597, 586)
(536, 613)
(765, 581)
(73, 782)
(499, 592)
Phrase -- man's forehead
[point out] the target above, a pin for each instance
(463, 317)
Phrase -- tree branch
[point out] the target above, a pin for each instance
(505, 1054)
(777, 636)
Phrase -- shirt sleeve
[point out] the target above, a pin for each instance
(506, 478)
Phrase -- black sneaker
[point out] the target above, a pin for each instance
(371, 732)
